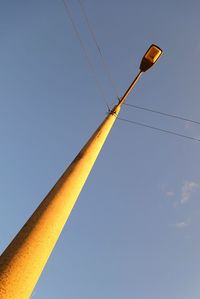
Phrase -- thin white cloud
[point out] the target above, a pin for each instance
(175, 204)
(180, 225)
(197, 137)
(187, 189)
(187, 125)
(169, 193)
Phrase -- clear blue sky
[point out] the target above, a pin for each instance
(134, 232)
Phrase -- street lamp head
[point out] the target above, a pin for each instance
(150, 57)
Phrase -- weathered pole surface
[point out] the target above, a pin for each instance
(23, 260)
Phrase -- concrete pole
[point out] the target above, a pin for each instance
(22, 262)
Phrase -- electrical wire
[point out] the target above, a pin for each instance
(106, 69)
(158, 129)
(163, 113)
(102, 94)
(104, 63)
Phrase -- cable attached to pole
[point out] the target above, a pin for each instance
(158, 129)
(163, 113)
(104, 63)
(102, 94)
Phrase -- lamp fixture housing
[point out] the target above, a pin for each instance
(150, 57)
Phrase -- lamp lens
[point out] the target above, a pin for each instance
(153, 54)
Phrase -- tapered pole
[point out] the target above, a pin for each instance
(24, 259)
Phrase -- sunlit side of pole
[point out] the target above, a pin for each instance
(24, 259)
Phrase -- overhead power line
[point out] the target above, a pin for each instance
(104, 63)
(106, 69)
(158, 129)
(163, 113)
(102, 94)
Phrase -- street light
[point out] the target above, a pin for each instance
(22, 262)
(150, 57)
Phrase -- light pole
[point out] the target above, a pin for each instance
(148, 60)
(24, 259)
